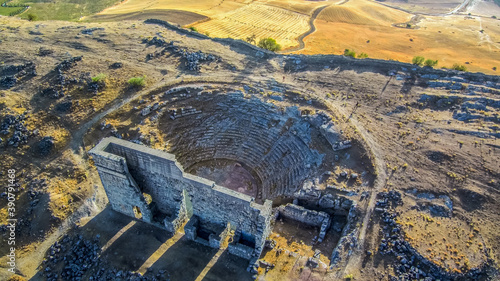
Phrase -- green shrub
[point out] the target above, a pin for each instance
(269, 44)
(137, 81)
(32, 17)
(193, 28)
(430, 63)
(459, 67)
(99, 78)
(418, 60)
(349, 53)
(362, 56)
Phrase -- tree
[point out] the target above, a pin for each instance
(362, 56)
(251, 39)
(418, 60)
(459, 67)
(349, 53)
(430, 63)
(32, 17)
(269, 44)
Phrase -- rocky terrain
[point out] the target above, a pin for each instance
(421, 163)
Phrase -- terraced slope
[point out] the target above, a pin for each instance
(259, 20)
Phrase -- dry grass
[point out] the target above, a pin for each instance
(259, 20)
(359, 25)
(432, 40)
(447, 242)
(361, 12)
(207, 7)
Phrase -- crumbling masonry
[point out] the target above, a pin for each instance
(151, 185)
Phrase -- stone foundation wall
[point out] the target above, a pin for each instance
(128, 170)
(306, 216)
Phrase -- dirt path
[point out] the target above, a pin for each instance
(312, 28)
(354, 261)
(459, 7)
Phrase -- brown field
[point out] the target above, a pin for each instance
(207, 8)
(361, 25)
(362, 13)
(450, 40)
(175, 16)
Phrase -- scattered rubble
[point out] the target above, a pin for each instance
(11, 74)
(16, 126)
(46, 145)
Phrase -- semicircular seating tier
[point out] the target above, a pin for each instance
(273, 143)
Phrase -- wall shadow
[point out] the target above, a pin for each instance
(184, 260)
(229, 267)
(135, 246)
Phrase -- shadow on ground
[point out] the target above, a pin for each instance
(127, 244)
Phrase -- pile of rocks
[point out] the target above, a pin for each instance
(80, 260)
(17, 124)
(67, 64)
(36, 187)
(45, 51)
(58, 90)
(76, 254)
(94, 87)
(388, 199)
(116, 65)
(158, 42)
(46, 145)
(66, 106)
(193, 59)
(90, 31)
(12, 73)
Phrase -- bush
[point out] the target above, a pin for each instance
(32, 17)
(137, 81)
(459, 67)
(99, 78)
(362, 56)
(349, 53)
(193, 28)
(418, 60)
(269, 44)
(430, 63)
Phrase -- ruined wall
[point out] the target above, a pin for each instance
(118, 184)
(307, 216)
(158, 174)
